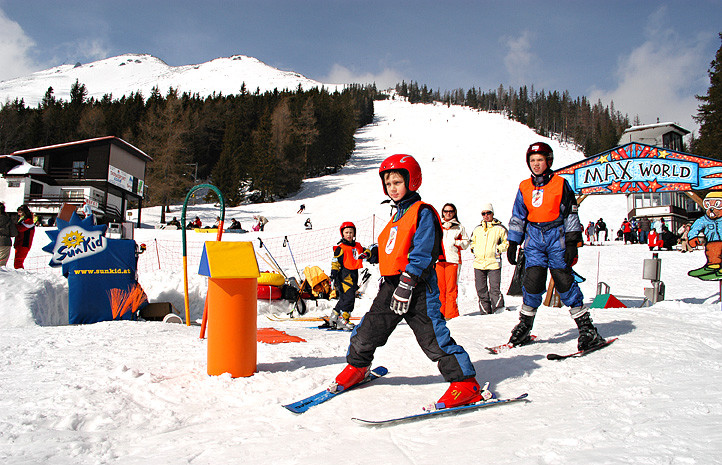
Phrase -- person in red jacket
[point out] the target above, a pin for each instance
(24, 239)
(408, 248)
(626, 231)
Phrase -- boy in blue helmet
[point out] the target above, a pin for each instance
(545, 218)
(409, 247)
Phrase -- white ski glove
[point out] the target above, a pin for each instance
(402, 295)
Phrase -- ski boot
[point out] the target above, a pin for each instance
(521, 334)
(589, 338)
(463, 392)
(331, 321)
(350, 376)
(343, 323)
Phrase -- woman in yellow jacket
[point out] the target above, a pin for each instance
(488, 242)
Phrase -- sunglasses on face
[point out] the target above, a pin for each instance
(448, 211)
(486, 213)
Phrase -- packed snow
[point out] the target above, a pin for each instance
(138, 392)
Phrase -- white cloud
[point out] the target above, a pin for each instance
(92, 50)
(519, 60)
(659, 78)
(15, 47)
(341, 75)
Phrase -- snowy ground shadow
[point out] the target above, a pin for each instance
(300, 362)
(496, 370)
(606, 330)
(711, 299)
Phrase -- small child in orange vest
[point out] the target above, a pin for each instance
(348, 258)
(409, 247)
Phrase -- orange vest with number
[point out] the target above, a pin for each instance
(542, 202)
(396, 238)
(350, 256)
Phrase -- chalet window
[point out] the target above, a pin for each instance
(73, 194)
(36, 190)
(39, 161)
(672, 141)
(78, 169)
(13, 183)
(642, 200)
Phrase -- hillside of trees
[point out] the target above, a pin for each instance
(258, 147)
(593, 128)
(265, 144)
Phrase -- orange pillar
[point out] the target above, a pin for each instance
(232, 326)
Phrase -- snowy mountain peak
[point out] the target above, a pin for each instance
(134, 72)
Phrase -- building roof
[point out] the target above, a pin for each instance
(658, 125)
(111, 139)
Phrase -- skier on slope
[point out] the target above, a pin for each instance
(348, 258)
(545, 218)
(409, 246)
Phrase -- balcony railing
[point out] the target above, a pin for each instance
(37, 201)
(67, 173)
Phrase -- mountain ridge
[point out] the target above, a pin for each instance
(137, 72)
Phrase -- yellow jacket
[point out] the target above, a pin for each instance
(488, 241)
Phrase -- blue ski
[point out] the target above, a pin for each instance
(444, 411)
(321, 397)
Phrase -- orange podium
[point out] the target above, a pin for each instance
(232, 273)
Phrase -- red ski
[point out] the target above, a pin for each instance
(504, 347)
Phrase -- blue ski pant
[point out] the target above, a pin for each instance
(544, 249)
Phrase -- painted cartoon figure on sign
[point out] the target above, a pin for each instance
(709, 226)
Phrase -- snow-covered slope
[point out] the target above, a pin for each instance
(138, 393)
(128, 73)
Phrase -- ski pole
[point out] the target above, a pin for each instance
(286, 243)
(261, 244)
(271, 265)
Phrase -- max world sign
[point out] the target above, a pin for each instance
(637, 168)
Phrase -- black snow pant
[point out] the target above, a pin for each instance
(346, 288)
(425, 320)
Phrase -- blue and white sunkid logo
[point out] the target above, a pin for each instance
(75, 239)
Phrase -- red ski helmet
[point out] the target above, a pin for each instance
(407, 165)
(542, 149)
(347, 224)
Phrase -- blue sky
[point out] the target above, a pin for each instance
(649, 57)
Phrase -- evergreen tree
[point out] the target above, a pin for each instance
(305, 129)
(164, 136)
(709, 113)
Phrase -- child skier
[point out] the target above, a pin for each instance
(545, 218)
(348, 258)
(409, 246)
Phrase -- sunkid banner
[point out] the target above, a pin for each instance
(75, 239)
(636, 168)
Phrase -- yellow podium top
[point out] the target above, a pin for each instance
(227, 260)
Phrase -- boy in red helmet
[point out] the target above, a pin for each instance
(348, 258)
(409, 247)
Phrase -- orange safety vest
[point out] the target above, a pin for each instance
(351, 260)
(395, 240)
(542, 202)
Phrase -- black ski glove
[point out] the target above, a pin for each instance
(511, 252)
(571, 254)
(373, 254)
(402, 295)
